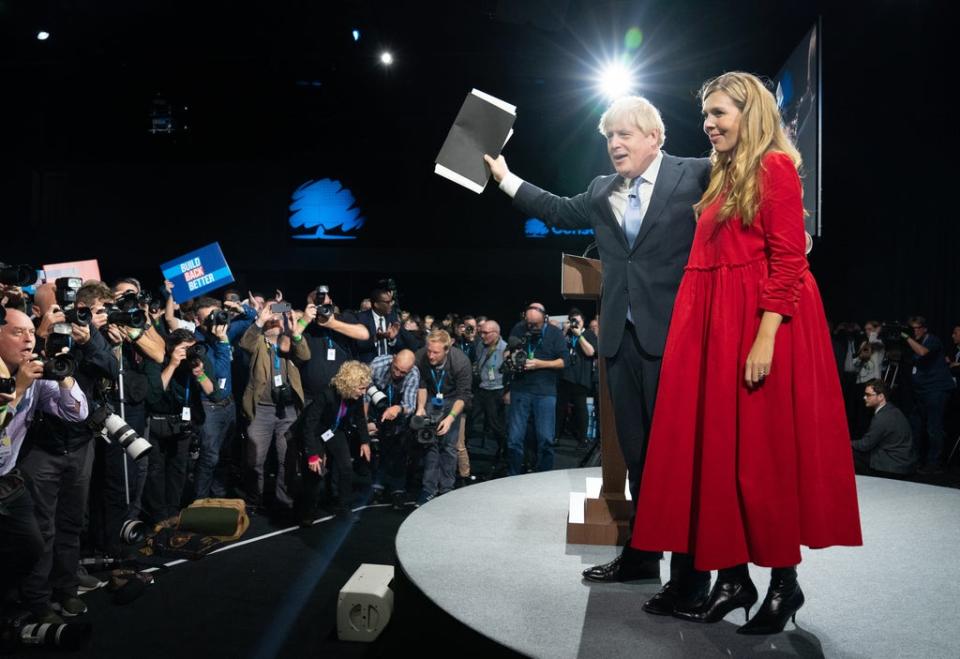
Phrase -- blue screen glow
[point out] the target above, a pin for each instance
(324, 210)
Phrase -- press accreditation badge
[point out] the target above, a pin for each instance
(6, 449)
(277, 380)
(185, 414)
(327, 436)
(439, 396)
(222, 383)
(331, 354)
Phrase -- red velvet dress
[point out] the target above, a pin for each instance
(735, 475)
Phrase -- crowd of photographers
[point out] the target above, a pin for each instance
(250, 396)
(900, 387)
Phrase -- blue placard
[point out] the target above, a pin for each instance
(197, 272)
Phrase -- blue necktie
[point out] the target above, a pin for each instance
(631, 214)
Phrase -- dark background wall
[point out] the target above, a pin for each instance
(278, 93)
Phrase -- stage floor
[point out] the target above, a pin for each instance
(494, 556)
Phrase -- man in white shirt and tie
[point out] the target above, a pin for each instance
(643, 222)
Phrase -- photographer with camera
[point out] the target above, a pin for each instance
(60, 455)
(220, 412)
(932, 385)
(274, 393)
(445, 390)
(332, 338)
(386, 336)
(577, 377)
(26, 533)
(467, 339)
(391, 400)
(489, 396)
(333, 427)
(533, 390)
(174, 392)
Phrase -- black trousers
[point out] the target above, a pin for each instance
(489, 403)
(340, 472)
(569, 393)
(633, 375)
(166, 476)
(21, 544)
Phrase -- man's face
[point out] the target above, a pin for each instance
(383, 304)
(436, 353)
(122, 289)
(871, 399)
(630, 150)
(400, 368)
(17, 339)
(470, 327)
(955, 335)
(98, 313)
(489, 334)
(202, 314)
(919, 331)
(534, 318)
(595, 326)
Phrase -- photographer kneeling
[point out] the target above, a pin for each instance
(393, 401)
(328, 426)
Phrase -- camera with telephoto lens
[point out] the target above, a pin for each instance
(379, 403)
(133, 531)
(17, 275)
(115, 430)
(425, 428)
(18, 632)
(573, 323)
(132, 300)
(134, 317)
(892, 332)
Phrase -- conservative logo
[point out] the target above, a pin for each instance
(535, 228)
(324, 210)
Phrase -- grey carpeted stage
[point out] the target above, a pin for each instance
(494, 557)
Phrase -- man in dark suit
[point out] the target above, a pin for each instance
(887, 446)
(387, 337)
(643, 222)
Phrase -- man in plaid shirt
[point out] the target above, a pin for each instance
(396, 377)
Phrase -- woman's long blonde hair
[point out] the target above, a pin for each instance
(735, 174)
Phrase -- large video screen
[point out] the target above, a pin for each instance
(799, 96)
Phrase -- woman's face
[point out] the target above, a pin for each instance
(721, 121)
(359, 391)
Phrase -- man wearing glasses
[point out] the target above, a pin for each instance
(887, 447)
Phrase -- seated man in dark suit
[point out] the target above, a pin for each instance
(887, 447)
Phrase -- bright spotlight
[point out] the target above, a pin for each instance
(356, 35)
(386, 58)
(43, 35)
(616, 80)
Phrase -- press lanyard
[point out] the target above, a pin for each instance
(492, 349)
(390, 394)
(186, 401)
(531, 351)
(433, 374)
(342, 413)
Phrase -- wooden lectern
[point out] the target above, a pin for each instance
(601, 514)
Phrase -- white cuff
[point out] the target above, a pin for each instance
(510, 184)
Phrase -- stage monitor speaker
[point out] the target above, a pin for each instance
(365, 603)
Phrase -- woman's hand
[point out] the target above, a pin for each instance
(315, 463)
(758, 361)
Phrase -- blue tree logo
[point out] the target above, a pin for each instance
(324, 210)
(535, 228)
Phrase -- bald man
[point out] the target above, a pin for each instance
(24, 538)
(490, 394)
(397, 378)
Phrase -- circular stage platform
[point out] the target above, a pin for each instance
(494, 557)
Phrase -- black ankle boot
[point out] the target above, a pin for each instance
(784, 598)
(733, 590)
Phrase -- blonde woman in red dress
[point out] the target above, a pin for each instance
(749, 453)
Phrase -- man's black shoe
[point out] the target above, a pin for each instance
(672, 595)
(623, 570)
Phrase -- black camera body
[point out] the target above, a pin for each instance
(891, 333)
(195, 354)
(217, 317)
(514, 364)
(325, 312)
(17, 275)
(58, 367)
(425, 428)
(134, 317)
(66, 294)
